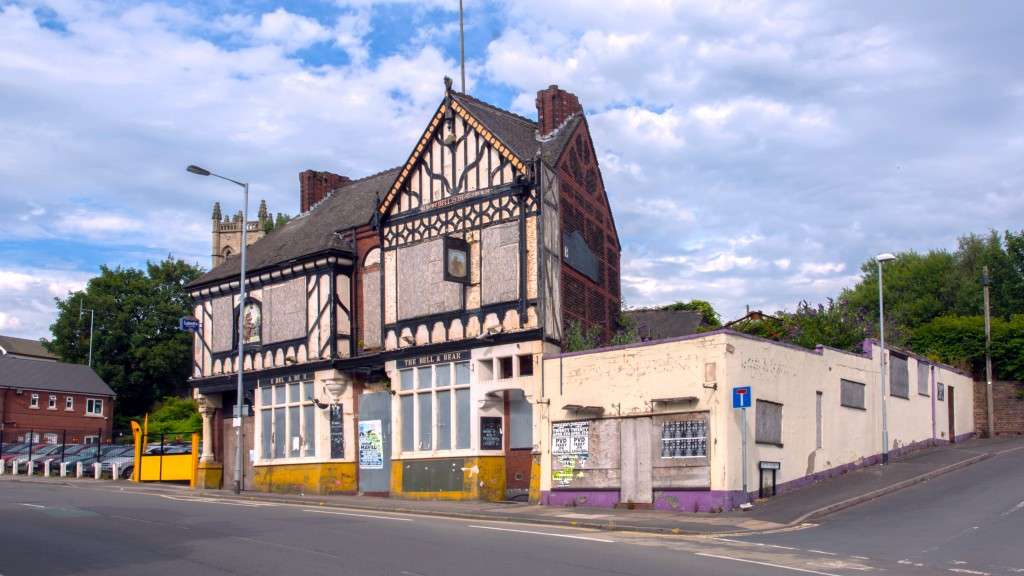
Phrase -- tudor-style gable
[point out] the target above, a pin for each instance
(457, 154)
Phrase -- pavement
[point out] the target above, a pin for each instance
(785, 511)
(964, 521)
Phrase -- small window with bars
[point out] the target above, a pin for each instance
(684, 439)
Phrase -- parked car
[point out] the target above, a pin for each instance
(40, 453)
(72, 452)
(13, 450)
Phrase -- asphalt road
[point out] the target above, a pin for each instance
(968, 522)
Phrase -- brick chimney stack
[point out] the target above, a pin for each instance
(315, 186)
(554, 105)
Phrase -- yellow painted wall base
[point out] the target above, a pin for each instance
(174, 467)
(535, 480)
(318, 478)
(210, 475)
(483, 478)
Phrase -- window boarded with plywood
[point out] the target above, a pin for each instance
(899, 378)
(923, 378)
(768, 423)
(851, 394)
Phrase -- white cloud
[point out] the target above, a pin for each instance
(782, 263)
(822, 268)
(26, 298)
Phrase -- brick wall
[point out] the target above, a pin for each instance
(314, 186)
(1007, 408)
(366, 240)
(584, 209)
(18, 413)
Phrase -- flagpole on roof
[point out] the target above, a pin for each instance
(462, 48)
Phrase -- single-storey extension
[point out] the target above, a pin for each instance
(653, 424)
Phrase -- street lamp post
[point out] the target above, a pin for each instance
(882, 258)
(92, 322)
(241, 321)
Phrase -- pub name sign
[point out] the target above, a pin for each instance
(430, 359)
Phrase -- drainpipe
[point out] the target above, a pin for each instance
(932, 387)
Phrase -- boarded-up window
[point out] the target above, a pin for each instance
(768, 423)
(499, 268)
(284, 311)
(923, 374)
(899, 379)
(851, 394)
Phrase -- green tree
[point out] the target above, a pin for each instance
(578, 338)
(832, 324)
(960, 341)
(137, 347)
(709, 317)
(175, 415)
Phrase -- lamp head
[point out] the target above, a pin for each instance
(885, 257)
(197, 170)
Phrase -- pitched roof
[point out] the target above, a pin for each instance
(24, 347)
(658, 324)
(519, 133)
(51, 376)
(349, 206)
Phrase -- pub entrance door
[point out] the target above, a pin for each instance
(374, 443)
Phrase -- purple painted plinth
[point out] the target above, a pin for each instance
(594, 498)
(698, 500)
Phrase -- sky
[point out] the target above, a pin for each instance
(754, 153)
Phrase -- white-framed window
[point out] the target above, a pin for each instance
(434, 406)
(69, 402)
(287, 421)
(94, 407)
(50, 437)
(33, 401)
(93, 439)
(51, 403)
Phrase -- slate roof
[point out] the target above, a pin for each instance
(353, 204)
(24, 347)
(658, 324)
(32, 374)
(518, 132)
(349, 206)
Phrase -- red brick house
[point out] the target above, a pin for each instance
(54, 401)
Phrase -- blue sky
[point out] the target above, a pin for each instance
(754, 152)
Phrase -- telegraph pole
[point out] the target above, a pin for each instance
(986, 281)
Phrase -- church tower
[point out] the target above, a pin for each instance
(227, 232)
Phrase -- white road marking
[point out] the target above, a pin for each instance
(756, 544)
(589, 539)
(793, 568)
(333, 513)
(226, 502)
(821, 552)
(966, 571)
(1016, 508)
(33, 505)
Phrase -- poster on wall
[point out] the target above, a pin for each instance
(371, 445)
(490, 433)
(337, 433)
(570, 438)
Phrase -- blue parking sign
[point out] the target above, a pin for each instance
(741, 397)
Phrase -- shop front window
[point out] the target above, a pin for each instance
(434, 406)
(287, 421)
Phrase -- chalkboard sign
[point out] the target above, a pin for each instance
(337, 432)
(490, 433)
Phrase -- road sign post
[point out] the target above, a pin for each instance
(741, 398)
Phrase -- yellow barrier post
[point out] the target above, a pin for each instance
(137, 466)
(195, 461)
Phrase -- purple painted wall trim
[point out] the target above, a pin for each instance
(698, 500)
(719, 500)
(593, 498)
